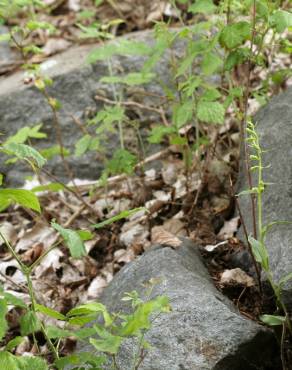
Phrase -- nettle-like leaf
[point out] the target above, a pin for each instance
(211, 63)
(158, 132)
(140, 319)
(29, 323)
(234, 35)
(210, 112)
(26, 133)
(210, 94)
(53, 151)
(281, 19)
(123, 47)
(108, 343)
(189, 86)
(14, 343)
(72, 239)
(86, 143)
(25, 198)
(202, 6)
(8, 361)
(24, 152)
(236, 57)
(182, 113)
(130, 79)
(122, 162)
(31, 362)
(108, 116)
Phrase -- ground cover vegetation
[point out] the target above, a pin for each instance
(235, 56)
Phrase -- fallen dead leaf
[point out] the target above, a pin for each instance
(96, 287)
(236, 276)
(162, 237)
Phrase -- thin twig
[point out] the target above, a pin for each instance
(159, 111)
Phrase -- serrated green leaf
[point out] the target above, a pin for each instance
(72, 240)
(158, 132)
(210, 112)
(29, 323)
(14, 343)
(82, 145)
(236, 57)
(140, 319)
(25, 133)
(211, 63)
(210, 94)
(182, 113)
(53, 151)
(122, 162)
(123, 47)
(31, 362)
(202, 6)
(108, 344)
(23, 151)
(233, 35)
(8, 361)
(25, 198)
(50, 312)
(281, 19)
(130, 79)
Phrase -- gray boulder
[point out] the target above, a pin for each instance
(75, 85)
(204, 331)
(274, 126)
(8, 57)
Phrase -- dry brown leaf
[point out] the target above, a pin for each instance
(96, 287)
(236, 276)
(124, 255)
(134, 233)
(54, 46)
(9, 232)
(40, 233)
(162, 237)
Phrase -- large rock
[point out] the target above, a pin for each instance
(204, 331)
(274, 126)
(75, 85)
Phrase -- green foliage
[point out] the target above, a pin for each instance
(214, 46)
(25, 198)
(23, 152)
(122, 162)
(120, 216)
(72, 239)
